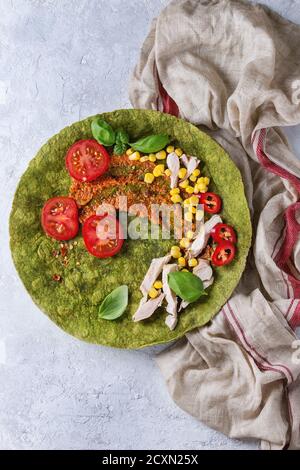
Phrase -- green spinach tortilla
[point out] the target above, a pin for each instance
(73, 303)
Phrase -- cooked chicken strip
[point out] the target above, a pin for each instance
(174, 166)
(191, 163)
(153, 272)
(203, 270)
(201, 240)
(147, 308)
(171, 319)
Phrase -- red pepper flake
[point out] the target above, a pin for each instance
(63, 250)
(55, 253)
(56, 277)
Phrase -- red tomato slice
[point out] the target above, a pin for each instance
(223, 254)
(86, 160)
(223, 232)
(102, 235)
(211, 201)
(60, 218)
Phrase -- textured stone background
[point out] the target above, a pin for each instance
(61, 61)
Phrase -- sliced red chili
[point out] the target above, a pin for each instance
(223, 254)
(212, 202)
(223, 232)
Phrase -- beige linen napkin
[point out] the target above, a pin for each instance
(234, 68)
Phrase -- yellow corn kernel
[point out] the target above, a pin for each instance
(176, 198)
(175, 252)
(129, 152)
(149, 178)
(153, 293)
(196, 189)
(174, 191)
(190, 235)
(170, 149)
(181, 261)
(194, 200)
(161, 155)
(168, 172)
(184, 270)
(196, 172)
(158, 170)
(184, 243)
(203, 180)
(178, 152)
(192, 209)
(158, 285)
(135, 156)
(193, 178)
(184, 184)
(152, 157)
(188, 216)
(189, 189)
(145, 158)
(186, 202)
(192, 262)
(182, 172)
(202, 189)
(199, 215)
(201, 184)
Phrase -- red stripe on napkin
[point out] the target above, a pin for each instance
(169, 105)
(271, 166)
(292, 227)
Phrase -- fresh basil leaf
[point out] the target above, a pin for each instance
(120, 148)
(152, 143)
(114, 304)
(186, 285)
(122, 139)
(103, 132)
(122, 136)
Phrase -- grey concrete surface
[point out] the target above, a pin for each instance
(62, 60)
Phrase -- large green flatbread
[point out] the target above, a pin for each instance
(73, 303)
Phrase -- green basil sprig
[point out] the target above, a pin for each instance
(151, 144)
(114, 304)
(103, 132)
(105, 135)
(186, 285)
(122, 139)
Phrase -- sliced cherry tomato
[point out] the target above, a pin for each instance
(102, 235)
(60, 218)
(86, 160)
(223, 254)
(223, 232)
(211, 201)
